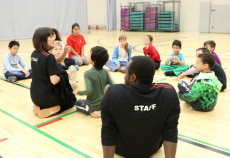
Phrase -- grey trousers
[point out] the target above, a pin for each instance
(78, 61)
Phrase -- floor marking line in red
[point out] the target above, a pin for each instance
(49, 122)
(4, 139)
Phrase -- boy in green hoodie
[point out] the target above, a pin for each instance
(202, 92)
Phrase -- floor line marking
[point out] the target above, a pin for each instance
(204, 146)
(204, 142)
(183, 39)
(56, 118)
(224, 55)
(49, 122)
(18, 53)
(47, 135)
(4, 139)
(15, 83)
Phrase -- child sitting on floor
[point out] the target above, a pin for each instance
(175, 63)
(202, 92)
(150, 50)
(217, 69)
(10, 61)
(67, 61)
(96, 79)
(210, 45)
(77, 43)
(121, 55)
(72, 71)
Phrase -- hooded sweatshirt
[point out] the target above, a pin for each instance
(206, 89)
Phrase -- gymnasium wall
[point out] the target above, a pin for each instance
(189, 18)
(20, 18)
(96, 12)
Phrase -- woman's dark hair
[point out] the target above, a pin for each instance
(74, 25)
(176, 43)
(144, 69)
(40, 38)
(100, 56)
(13, 43)
(58, 37)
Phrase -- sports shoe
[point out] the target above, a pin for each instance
(48, 112)
(118, 69)
(96, 114)
(83, 108)
(12, 78)
(122, 70)
(169, 73)
(76, 67)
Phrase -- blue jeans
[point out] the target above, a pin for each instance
(18, 74)
(112, 66)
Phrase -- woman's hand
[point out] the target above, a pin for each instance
(67, 49)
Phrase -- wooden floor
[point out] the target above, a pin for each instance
(72, 134)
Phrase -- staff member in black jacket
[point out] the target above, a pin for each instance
(49, 90)
(138, 116)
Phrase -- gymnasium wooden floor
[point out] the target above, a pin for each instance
(72, 134)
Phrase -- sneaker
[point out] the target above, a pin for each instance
(12, 78)
(83, 108)
(122, 70)
(169, 73)
(76, 67)
(48, 112)
(96, 114)
(36, 109)
(118, 69)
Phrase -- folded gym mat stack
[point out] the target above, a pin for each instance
(166, 21)
(151, 18)
(137, 20)
(147, 17)
(126, 20)
(123, 10)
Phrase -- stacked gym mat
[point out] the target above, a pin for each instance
(126, 20)
(137, 20)
(166, 21)
(151, 18)
(123, 10)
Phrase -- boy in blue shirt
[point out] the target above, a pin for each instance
(10, 61)
(175, 63)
